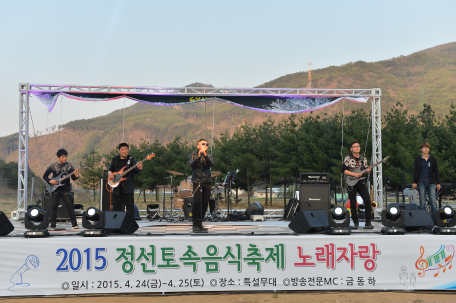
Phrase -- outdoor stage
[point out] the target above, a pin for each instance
(232, 256)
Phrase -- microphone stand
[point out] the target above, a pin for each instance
(164, 190)
(201, 190)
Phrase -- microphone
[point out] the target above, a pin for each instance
(30, 262)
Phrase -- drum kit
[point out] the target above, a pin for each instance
(183, 195)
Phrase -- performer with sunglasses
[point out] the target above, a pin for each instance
(201, 163)
(351, 163)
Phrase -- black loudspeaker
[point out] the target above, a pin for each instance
(120, 222)
(188, 206)
(309, 221)
(5, 225)
(104, 193)
(254, 209)
(315, 196)
(62, 212)
(417, 218)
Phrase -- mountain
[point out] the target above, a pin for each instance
(428, 76)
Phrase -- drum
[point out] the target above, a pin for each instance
(185, 189)
(179, 203)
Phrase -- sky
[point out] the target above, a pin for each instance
(174, 43)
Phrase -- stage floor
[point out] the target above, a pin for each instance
(165, 228)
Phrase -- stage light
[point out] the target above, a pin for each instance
(445, 219)
(94, 221)
(37, 220)
(339, 221)
(393, 220)
(152, 211)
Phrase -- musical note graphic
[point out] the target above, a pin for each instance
(435, 262)
(421, 264)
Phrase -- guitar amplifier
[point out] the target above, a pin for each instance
(314, 196)
(314, 178)
(62, 212)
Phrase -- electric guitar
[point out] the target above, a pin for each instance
(351, 181)
(51, 188)
(118, 176)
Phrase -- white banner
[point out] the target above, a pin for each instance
(126, 264)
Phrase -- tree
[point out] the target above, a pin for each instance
(90, 176)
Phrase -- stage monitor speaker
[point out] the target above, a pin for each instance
(309, 221)
(62, 212)
(254, 209)
(315, 196)
(6, 226)
(104, 193)
(120, 222)
(417, 218)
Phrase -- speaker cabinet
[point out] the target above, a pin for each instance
(62, 212)
(6, 226)
(315, 196)
(417, 218)
(309, 221)
(105, 198)
(120, 222)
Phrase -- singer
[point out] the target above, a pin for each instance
(201, 163)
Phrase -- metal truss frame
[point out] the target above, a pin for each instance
(377, 151)
(22, 168)
(25, 89)
(209, 91)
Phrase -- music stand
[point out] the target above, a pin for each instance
(229, 179)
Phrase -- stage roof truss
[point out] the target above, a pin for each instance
(191, 91)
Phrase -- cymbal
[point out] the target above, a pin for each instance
(215, 173)
(172, 172)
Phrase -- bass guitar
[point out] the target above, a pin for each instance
(119, 176)
(351, 181)
(51, 188)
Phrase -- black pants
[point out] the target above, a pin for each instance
(206, 191)
(66, 198)
(122, 201)
(362, 190)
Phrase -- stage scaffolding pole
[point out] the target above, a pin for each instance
(377, 151)
(23, 148)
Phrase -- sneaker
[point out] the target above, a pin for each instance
(354, 226)
(75, 227)
(368, 226)
(52, 227)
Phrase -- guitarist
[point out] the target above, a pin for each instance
(351, 163)
(122, 196)
(56, 168)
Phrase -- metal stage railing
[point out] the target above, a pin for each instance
(179, 212)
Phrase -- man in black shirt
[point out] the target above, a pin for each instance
(350, 164)
(426, 177)
(122, 195)
(201, 163)
(64, 191)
